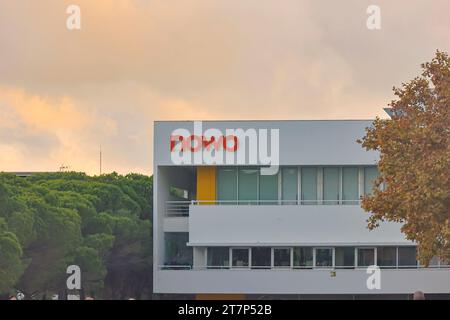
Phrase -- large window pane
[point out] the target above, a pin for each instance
(331, 185)
(227, 185)
(248, 185)
(261, 258)
(407, 257)
(370, 175)
(218, 257)
(366, 257)
(303, 257)
(324, 257)
(240, 258)
(309, 185)
(177, 253)
(289, 185)
(268, 189)
(281, 257)
(345, 257)
(350, 194)
(387, 257)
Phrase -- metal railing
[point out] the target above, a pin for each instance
(295, 268)
(179, 208)
(274, 202)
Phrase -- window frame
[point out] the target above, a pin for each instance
(357, 266)
(249, 257)
(273, 257)
(315, 266)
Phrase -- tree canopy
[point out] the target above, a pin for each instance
(414, 164)
(102, 224)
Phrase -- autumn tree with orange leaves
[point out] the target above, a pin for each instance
(414, 163)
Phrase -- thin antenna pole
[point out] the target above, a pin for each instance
(100, 160)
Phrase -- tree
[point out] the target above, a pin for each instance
(11, 267)
(102, 224)
(414, 163)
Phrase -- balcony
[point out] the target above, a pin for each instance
(181, 208)
(285, 225)
(313, 281)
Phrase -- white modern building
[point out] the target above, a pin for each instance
(224, 224)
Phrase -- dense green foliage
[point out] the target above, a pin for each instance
(102, 224)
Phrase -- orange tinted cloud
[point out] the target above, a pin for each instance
(46, 114)
(64, 93)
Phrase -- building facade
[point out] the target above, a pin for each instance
(273, 208)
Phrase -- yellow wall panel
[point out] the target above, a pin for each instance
(206, 184)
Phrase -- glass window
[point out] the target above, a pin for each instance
(268, 189)
(345, 257)
(366, 257)
(309, 185)
(289, 178)
(218, 257)
(370, 175)
(387, 257)
(331, 185)
(261, 257)
(240, 257)
(407, 257)
(248, 185)
(281, 257)
(177, 253)
(350, 194)
(303, 257)
(324, 257)
(227, 185)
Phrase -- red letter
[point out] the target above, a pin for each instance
(235, 143)
(174, 140)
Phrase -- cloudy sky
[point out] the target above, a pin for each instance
(64, 93)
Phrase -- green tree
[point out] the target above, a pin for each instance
(11, 267)
(102, 223)
(414, 161)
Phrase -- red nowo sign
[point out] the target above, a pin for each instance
(194, 143)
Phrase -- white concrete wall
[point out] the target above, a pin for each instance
(301, 142)
(287, 225)
(402, 281)
(176, 224)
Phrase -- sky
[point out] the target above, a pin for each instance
(64, 93)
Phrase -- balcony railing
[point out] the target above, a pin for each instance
(294, 268)
(274, 202)
(181, 208)
(177, 208)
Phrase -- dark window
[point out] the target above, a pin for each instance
(177, 251)
(324, 257)
(303, 257)
(281, 257)
(387, 257)
(345, 257)
(407, 257)
(218, 257)
(261, 258)
(240, 258)
(366, 257)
